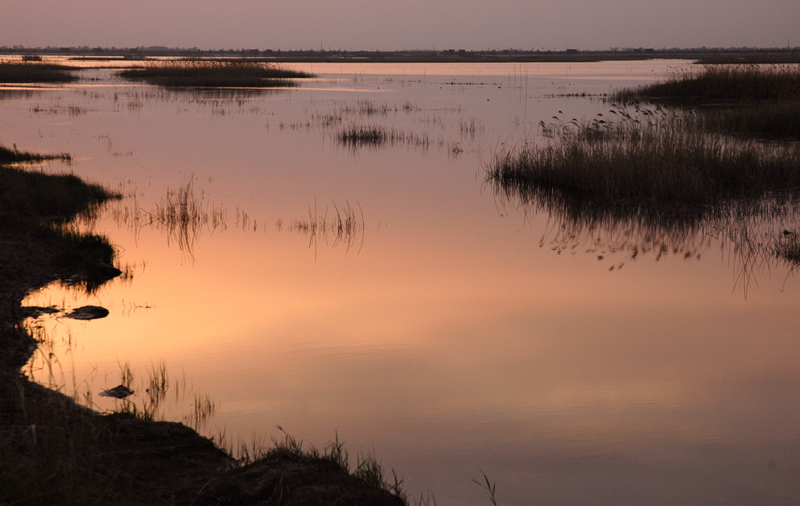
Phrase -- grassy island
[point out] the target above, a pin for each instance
(215, 74)
(31, 72)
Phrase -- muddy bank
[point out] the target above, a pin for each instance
(55, 451)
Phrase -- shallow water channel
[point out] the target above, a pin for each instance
(388, 296)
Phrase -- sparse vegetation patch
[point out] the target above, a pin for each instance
(362, 136)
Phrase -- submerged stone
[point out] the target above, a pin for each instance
(87, 313)
(118, 392)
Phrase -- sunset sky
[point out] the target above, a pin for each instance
(413, 24)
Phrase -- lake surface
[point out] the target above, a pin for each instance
(391, 297)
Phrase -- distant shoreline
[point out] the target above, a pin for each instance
(702, 55)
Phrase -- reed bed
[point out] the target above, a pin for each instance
(753, 101)
(31, 72)
(650, 156)
(215, 74)
(721, 83)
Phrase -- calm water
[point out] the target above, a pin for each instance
(446, 328)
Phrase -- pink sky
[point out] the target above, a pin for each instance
(414, 24)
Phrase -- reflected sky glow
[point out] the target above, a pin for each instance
(451, 341)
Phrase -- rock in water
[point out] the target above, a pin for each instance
(87, 313)
(118, 392)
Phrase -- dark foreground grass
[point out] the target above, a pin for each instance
(655, 158)
(215, 74)
(17, 73)
(54, 451)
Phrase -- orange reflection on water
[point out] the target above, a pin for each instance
(451, 340)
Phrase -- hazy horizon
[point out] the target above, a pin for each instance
(435, 24)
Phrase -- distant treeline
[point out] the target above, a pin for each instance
(702, 55)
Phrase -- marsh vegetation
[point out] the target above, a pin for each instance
(33, 72)
(362, 135)
(648, 156)
(182, 215)
(740, 100)
(12, 156)
(357, 135)
(215, 74)
(661, 155)
(721, 84)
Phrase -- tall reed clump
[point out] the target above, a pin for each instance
(652, 157)
(14, 72)
(721, 83)
(742, 100)
(214, 74)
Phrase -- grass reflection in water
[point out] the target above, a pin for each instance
(333, 227)
(755, 234)
(649, 179)
(184, 214)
